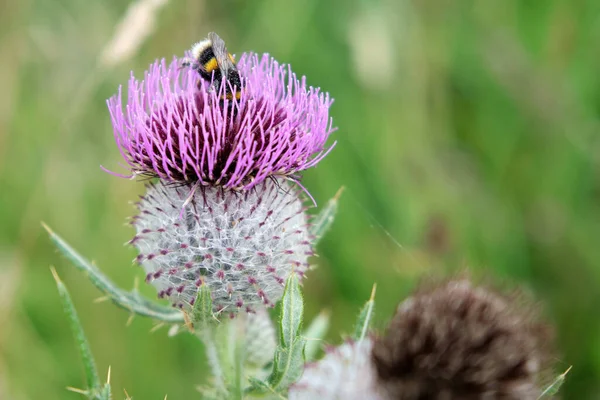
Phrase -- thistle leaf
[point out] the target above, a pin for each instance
(130, 301)
(315, 333)
(554, 387)
(323, 221)
(365, 317)
(292, 309)
(260, 389)
(288, 362)
(105, 394)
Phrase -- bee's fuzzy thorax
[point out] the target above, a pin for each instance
(200, 47)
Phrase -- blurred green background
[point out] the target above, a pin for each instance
(468, 137)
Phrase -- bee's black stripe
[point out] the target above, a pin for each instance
(234, 80)
(206, 58)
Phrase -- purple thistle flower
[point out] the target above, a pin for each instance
(176, 128)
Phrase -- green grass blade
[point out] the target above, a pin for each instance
(91, 372)
(130, 301)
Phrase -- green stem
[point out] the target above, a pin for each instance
(206, 335)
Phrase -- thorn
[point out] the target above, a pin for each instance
(338, 194)
(47, 228)
(189, 198)
(80, 391)
(102, 299)
(566, 372)
(55, 274)
(215, 316)
(127, 394)
(129, 320)
(188, 322)
(373, 292)
(136, 283)
(108, 376)
(157, 327)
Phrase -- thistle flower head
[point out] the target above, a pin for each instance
(345, 372)
(458, 341)
(175, 127)
(243, 246)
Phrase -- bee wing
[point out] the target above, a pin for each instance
(221, 54)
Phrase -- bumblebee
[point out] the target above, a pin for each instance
(214, 64)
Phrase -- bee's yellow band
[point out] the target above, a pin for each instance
(211, 65)
(238, 95)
